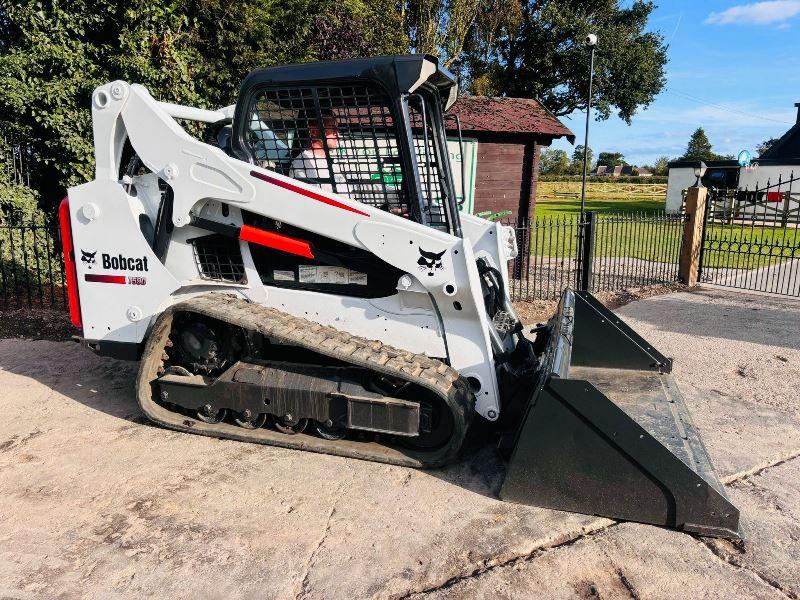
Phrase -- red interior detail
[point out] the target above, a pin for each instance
(307, 193)
(270, 239)
(105, 278)
(774, 196)
(69, 263)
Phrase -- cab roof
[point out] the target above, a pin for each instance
(400, 74)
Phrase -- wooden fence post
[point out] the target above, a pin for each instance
(689, 266)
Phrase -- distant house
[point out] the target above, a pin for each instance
(509, 134)
(616, 171)
(642, 172)
(619, 171)
(781, 163)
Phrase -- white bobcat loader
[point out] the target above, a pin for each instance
(302, 277)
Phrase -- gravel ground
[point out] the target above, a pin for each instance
(546, 277)
(96, 503)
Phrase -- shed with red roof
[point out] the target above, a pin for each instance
(510, 133)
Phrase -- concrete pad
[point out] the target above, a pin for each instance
(741, 434)
(627, 561)
(95, 499)
(95, 502)
(741, 345)
(737, 364)
(770, 503)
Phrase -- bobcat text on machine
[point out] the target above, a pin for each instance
(253, 272)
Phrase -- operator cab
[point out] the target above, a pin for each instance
(370, 129)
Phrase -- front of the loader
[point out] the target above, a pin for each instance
(600, 427)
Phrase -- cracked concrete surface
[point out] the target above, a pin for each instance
(94, 502)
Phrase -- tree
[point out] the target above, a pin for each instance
(554, 162)
(610, 159)
(661, 166)
(699, 148)
(53, 55)
(577, 160)
(766, 145)
(535, 48)
(441, 27)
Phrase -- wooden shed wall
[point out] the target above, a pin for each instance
(506, 177)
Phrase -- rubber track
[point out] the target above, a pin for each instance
(372, 354)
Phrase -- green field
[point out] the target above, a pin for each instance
(563, 197)
(644, 236)
(620, 233)
(568, 206)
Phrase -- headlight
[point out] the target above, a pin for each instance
(509, 237)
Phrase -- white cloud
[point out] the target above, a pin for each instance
(758, 13)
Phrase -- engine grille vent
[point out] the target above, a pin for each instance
(218, 258)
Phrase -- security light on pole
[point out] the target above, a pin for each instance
(699, 171)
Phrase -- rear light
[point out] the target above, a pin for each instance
(69, 263)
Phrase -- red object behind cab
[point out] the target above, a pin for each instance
(69, 263)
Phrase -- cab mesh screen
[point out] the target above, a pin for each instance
(344, 140)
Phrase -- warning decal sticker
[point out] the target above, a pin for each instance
(331, 275)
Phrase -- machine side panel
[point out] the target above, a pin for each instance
(121, 281)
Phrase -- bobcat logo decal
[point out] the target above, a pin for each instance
(430, 261)
(87, 258)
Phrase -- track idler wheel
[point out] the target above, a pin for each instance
(249, 420)
(332, 433)
(291, 426)
(207, 414)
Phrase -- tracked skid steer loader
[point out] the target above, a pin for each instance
(300, 275)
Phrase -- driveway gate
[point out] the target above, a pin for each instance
(751, 239)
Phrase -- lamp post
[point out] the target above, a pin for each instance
(583, 269)
(591, 42)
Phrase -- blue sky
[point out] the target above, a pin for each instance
(734, 69)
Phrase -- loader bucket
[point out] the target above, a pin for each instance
(606, 431)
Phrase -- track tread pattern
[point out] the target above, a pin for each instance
(420, 369)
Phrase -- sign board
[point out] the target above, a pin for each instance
(464, 171)
(744, 158)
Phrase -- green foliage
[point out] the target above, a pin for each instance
(19, 204)
(541, 54)
(534, 48)
(577, 159)
(196, 52)
(611, 159)
(661, 166)
(766, 145)
(554, 162)
(699, 147)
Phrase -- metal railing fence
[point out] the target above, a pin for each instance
(31, 267)
(623, 250)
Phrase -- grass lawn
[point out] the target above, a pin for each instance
(631, 228)
(649, 237)
(567, 206)
(628, 226)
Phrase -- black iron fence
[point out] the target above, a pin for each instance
(621, 251)
(751, 239)
(31, 267)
